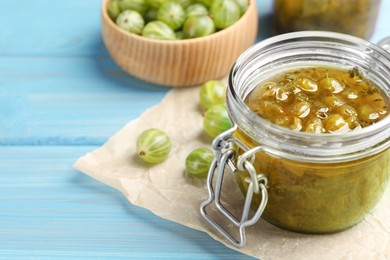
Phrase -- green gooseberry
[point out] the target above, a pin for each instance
(113, 9)
(156, 3)
(136, 5)
(212, 93)
(216, 121)
(172, 14)
(150, 14)
(243, 4)
(158, 30)
(205, 2)
(198, 26)
(198, 162)
(153, 145)
(197, 9)
(184, 3)
(179, 35)
(225, 13)
(130, 21)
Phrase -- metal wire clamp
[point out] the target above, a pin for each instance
(224, 155)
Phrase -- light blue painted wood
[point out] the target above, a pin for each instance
(50, 210)
(68, 100)
(60, 96)
(45, 28)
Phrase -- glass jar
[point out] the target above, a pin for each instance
(355, 17)
(304, 182)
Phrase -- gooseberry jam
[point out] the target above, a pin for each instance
(319, 100)
(310, 139)
(316, 197)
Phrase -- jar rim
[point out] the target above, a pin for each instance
(304, 144)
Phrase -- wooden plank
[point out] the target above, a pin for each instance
(44, 27)
(68, 100)
(58, 86)
(49, 210)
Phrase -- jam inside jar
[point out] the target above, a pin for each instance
(319, 179)
(318, 197)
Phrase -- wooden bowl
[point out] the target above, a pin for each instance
(179, 63)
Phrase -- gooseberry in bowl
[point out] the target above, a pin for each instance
(113, 9)
(139, 6)
(175, 61)
(150, 14)
(204, 2)
(198, 26)
(172, 14)
(197, 9)
(185, 3)
(225, 13)
(158, 30)
(156, 3)
(243, 4)
(130, 21)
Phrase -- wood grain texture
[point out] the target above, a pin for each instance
(180, 63)
(61, 95)
(45, 28)
(68, 100)
(49, 210)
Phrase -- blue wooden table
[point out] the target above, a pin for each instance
(61, 95)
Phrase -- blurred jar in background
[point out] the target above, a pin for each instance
(355, 17)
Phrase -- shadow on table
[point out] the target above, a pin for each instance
(113, 74)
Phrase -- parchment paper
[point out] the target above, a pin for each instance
(167, 191)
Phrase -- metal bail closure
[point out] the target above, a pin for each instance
(257, 183)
